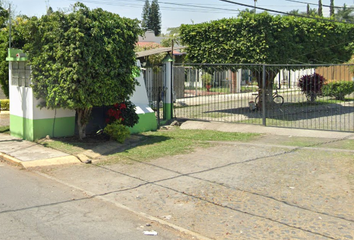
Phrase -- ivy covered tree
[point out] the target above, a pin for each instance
(82, 59)
(263, 38)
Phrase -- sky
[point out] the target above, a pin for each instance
(173, 12)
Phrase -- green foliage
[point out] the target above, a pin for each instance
(320, 10)
(345, 14)
(5, 104)
(263, 38)
(82, 59)
(154, 21)
(145, 16)
(311, 85)
(206, 78)
(117, 131)
(338, 90)
(173, 35)
(17, 41)
(153, 60)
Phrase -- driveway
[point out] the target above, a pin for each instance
(269, 188)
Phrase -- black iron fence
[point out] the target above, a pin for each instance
(266, 94)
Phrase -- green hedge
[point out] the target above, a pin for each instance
(5, 104)
(338, 90)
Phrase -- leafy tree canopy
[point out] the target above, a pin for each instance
(82, 59)
(17, 41)
(172, 35)
(263, 38)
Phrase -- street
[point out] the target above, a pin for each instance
(34, 207)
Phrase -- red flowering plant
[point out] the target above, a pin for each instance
(119, 117)
(123, 112)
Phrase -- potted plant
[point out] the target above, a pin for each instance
(206, 78)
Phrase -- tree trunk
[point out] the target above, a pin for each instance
(82, 120)
(233, 86)
(268, 88)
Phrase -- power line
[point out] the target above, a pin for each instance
(284, 13)
(183, 7)
(312, 4)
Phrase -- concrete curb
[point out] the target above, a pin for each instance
(41, 162)
(10, 159)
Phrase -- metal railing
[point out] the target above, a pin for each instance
(261, 94)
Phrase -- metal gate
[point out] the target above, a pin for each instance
(263, 94)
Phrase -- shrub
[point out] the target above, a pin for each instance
(117, 131)
(5, 104)
(311, 85)
(206, 78)
(125, 112)
(338, 90)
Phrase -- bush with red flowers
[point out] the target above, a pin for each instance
(123, 112)
(119, 117)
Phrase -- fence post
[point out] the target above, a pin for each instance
(168, 94)
(264, 119)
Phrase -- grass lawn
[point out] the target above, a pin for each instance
(176, 141)
(4, 129)
(151, 145)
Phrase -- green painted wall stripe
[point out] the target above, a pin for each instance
(21, 127)
(31, 130)
(147, 122)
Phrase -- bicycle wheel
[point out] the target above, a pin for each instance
(256, 100)
(278, 100)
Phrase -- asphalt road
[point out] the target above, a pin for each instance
(34, 207)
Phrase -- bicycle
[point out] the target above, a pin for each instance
(277, 99)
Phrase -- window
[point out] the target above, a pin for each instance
(21, 74)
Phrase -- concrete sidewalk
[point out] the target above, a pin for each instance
(248, 128)
(29, 154)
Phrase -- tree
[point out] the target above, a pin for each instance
(17, 41)
(262, 38)
(331, 8)
(154, 22)
(49, 10)
(320, 11)
(82, 59)
(145, 16)
(345, 14)
(4, 44)
(172, 35)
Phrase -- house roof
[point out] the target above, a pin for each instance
(146, 44)
(157, 51)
